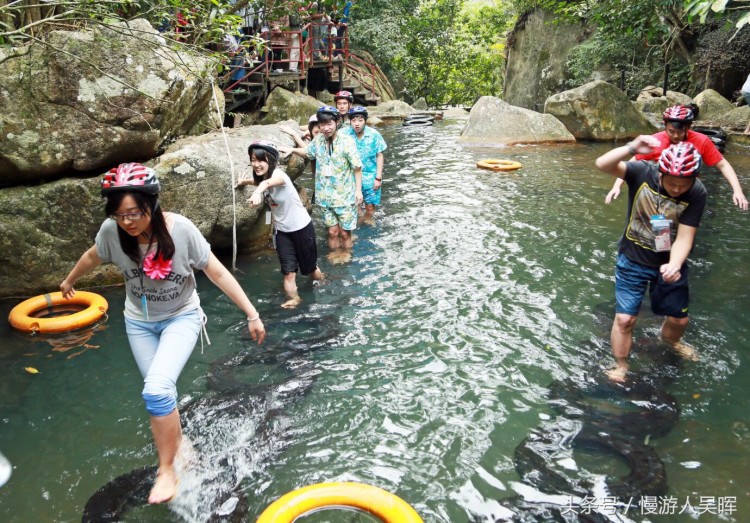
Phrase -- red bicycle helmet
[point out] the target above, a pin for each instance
(345, 95)
(679, 113)
(681, 159)
(130, 177)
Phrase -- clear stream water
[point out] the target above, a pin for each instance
(419, 367)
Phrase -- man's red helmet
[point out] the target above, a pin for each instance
(346, 95)
(681, 159)
(679, 113)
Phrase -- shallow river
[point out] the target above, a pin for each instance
(419, 367)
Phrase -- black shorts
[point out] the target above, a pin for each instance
(297, 250)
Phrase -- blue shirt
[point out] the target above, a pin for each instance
(347, 8)
(368, 147)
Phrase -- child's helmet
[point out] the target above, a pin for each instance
(358, 110)
(130, 177)
(681, 159)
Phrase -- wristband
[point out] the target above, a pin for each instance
(379, 179)
(631, 149)
(250, 320)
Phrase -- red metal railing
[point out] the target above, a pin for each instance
(319, 48)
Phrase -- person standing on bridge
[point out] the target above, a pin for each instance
(665, 207)
(338, 181)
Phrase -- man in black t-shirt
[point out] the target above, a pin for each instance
(665, 206)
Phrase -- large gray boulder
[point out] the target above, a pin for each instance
(598, 111)
(712, 105)
(420, 104)
(47, 227)
(653, 109)
(737, 118)
(94, 98)
(672, 97)
(495, 122)
(392, 109)
(285, 105)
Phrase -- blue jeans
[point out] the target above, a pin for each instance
(161, 350)
(631, 281)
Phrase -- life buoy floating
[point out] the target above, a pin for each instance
(381, 503)
(22, 316)
(499, 165)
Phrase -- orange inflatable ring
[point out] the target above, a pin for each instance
(22, 316)
(381, 503)
(499, 165)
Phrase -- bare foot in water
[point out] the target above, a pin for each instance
(617, 374)
(164, 489)
(291, 303)
(685, 351)
(339, 257)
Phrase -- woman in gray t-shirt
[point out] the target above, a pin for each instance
(157, 253)
(294, 234)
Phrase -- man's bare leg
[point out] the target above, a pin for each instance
(672, 331)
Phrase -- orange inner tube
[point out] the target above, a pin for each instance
(498, 165)
(22, 316)
(381, 503)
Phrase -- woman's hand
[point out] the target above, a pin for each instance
(242, 181)
(288, 130)
(257, 330)
(256, 199)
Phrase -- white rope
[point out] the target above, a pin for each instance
(231, 187)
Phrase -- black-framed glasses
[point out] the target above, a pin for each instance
(130, 216)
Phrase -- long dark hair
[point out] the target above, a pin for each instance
(147, 203)
(264, 156)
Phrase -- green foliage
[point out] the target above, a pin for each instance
(704, 9)
(447, 51)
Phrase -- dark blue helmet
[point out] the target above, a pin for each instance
(328, 110)
(358, 110)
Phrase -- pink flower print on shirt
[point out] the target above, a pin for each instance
(156, 269)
